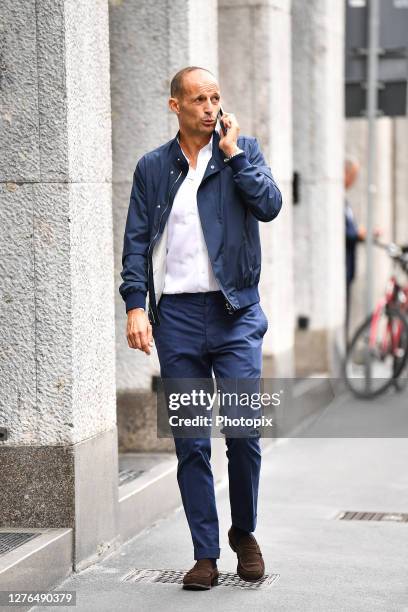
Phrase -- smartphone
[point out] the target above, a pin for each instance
(223, 128)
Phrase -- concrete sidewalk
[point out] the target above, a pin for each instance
(323, 563)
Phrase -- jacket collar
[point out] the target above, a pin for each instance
(215, 164)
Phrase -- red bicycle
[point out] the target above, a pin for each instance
(377, 355)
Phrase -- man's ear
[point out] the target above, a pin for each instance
(174, 105)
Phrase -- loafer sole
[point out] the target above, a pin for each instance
(197, 586)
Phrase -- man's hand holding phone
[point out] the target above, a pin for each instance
(229, 133)
(139, 330)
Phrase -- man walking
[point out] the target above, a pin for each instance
(192, 244)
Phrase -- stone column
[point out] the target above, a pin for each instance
(400, 139)
(255, 77)
(318, 92)
(150, 42)
(59, 462)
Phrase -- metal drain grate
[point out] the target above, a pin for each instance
(168, 576)
(128, 475)
(396, 517)
(9, 540)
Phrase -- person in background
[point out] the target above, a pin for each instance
(354, 233)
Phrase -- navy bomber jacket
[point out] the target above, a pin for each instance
(232, 198)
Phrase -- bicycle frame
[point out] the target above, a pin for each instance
(384, 335)
(391, 338)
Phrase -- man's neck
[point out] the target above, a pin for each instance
(191, 145)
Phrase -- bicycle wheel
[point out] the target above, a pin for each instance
(376, 354)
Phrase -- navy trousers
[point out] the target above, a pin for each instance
(196, 336)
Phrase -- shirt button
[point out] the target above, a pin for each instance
(212, 167)
(171, 171)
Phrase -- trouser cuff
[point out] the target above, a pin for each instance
(207, 553)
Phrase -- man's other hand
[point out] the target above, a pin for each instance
(139, 330)
(362, 233)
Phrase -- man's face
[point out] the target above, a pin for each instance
(197, 108)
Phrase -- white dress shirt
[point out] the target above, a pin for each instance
(349, 211)
(188, 267)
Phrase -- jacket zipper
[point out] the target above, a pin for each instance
(151, 246)
(231, 309)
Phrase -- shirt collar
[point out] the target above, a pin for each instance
(205, 148)
(180, 161)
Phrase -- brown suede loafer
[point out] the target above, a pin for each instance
(202, 576)
(251, 566)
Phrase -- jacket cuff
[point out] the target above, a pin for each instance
(239, 162)
(135, 299)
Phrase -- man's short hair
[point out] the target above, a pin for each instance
(176, 85)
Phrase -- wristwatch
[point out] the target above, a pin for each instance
(236, 152)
